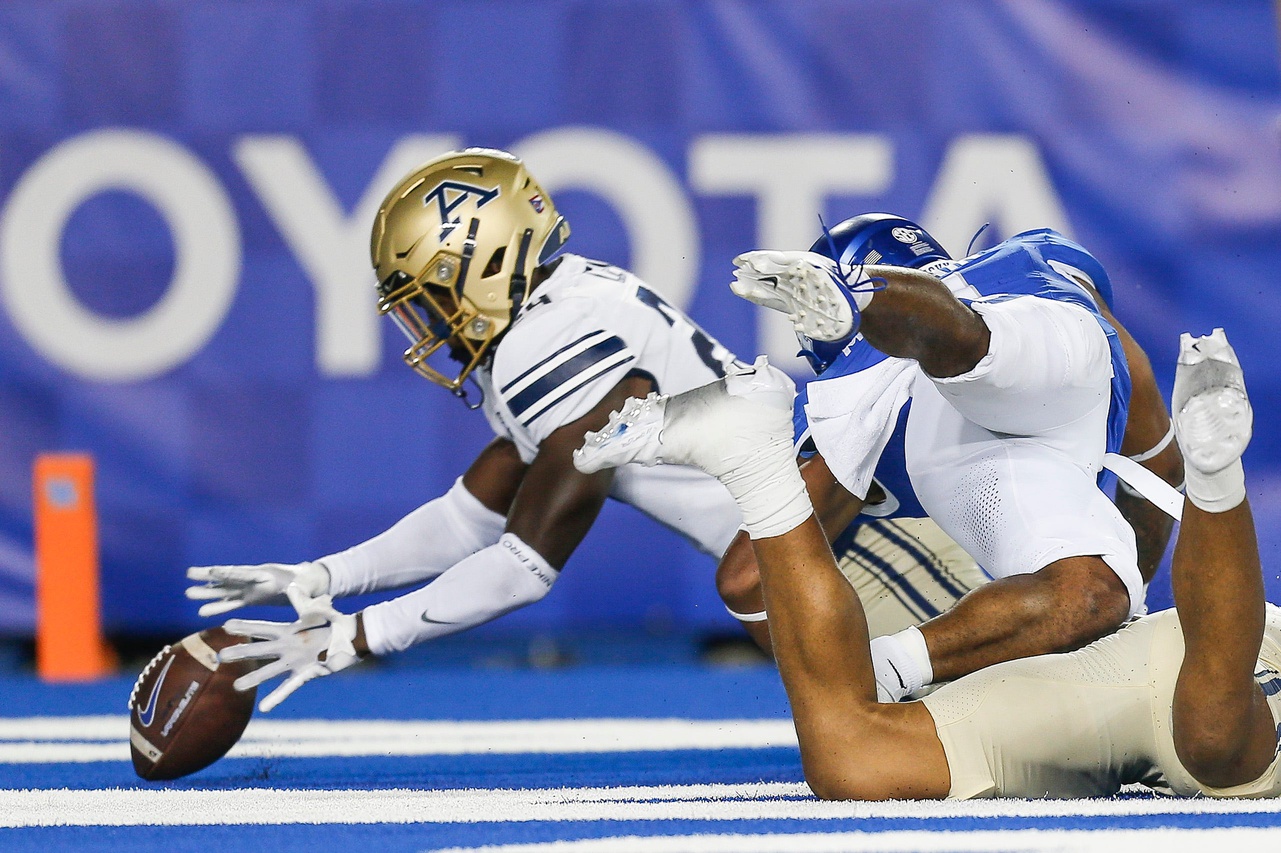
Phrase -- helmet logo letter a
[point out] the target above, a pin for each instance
(448, 195)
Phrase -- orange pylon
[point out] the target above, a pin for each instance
(69, 641)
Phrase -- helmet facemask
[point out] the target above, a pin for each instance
(455, 246)
(432, 318)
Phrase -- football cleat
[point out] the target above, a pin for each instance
(738, 429)
(805, 286)
(1213, 420)
(633, 434)
(715, 427)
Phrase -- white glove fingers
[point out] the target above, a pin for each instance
(289, 685)
(258, 629)
(215, 608)
(257, 650)
(250, 680)
(198, 573)
(202, 593)
(240, 575)
(305, 604)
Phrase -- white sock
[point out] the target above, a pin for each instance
(902, 664)
(773, 499)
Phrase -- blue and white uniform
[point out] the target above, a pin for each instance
(585, 329)
(1005, 458)
(905, 569)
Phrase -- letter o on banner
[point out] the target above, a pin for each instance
(206, 240)
(650, 200)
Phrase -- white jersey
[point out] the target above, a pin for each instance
(585, 329)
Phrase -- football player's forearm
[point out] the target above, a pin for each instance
(557, 504)
(418, 547)
(482, 587)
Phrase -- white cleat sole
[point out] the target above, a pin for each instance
(799, 285)
(633, 434)
(1212, 414)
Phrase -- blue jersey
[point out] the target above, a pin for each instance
(1044, 263)
(1039, 263)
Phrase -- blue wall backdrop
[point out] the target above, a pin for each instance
(186, 190)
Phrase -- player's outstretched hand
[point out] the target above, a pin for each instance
(225, 588)
(318, 643)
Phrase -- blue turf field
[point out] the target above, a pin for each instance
(611, 759)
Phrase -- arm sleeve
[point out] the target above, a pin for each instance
(484, 586)
(418, 547)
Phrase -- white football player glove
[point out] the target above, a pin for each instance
(318, 643)
(229, 587)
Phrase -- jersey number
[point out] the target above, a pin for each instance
(712, 354)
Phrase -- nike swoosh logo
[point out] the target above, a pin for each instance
(431, 621)
(400, 256)
(148, 713)
(901, 682)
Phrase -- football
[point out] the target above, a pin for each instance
(183, 712)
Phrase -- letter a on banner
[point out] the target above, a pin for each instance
(69, 642)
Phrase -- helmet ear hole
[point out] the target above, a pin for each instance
(495, 264)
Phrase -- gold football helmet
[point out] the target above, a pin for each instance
(454, 246)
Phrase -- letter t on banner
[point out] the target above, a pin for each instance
(69, 642)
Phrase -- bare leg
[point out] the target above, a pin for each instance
(737, 577)
(1223, 729)
(1059, 608)
(852, 747)
(739, 430)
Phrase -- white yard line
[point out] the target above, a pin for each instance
(1095, 841)
(148, 807)
(44, 740)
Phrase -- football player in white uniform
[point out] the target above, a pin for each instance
(465, 254)
(1186, 702)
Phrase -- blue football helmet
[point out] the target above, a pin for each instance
(872, 238)
(880, 238)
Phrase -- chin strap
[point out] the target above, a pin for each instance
(461, 394)
(469, 249)
(520, 284)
